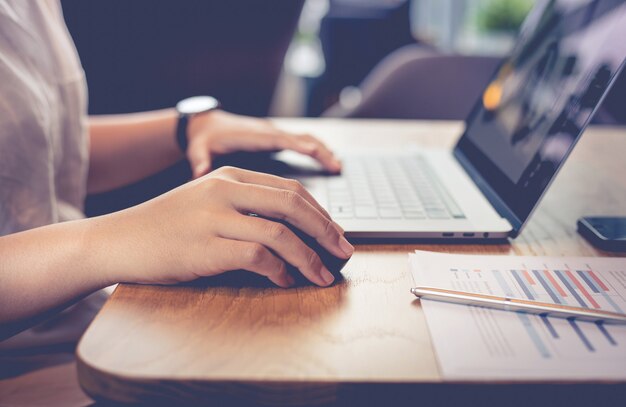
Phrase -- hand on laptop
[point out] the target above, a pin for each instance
(221, 132)
(204, 228)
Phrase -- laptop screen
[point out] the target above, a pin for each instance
(542, 97)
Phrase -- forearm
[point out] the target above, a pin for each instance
(127, 148)
(196, 230)
(45, 269)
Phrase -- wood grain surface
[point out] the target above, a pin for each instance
(304, 345)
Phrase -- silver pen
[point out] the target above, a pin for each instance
(515, 304)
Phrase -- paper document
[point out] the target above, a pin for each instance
(480, 343)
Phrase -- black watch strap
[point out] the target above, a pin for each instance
(181, 132)
(187, 108)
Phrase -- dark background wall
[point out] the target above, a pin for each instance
(149, 54)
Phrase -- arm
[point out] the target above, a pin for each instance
(198, 229)
(44, 270)
(127, 148)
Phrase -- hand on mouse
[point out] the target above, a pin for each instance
(203, 228)
(220, 132)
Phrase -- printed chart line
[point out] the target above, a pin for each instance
(554, 283)
(597, 288)
(555, 297)
(534, 335)
(523, 285)
(549, 326)
(581, 335)
(570, 287)
(606, 333)
(503, 284)
(582, 289)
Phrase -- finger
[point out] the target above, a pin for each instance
(271, 138)
(283, 242)
(309, 145)
(258, 140)
(293, 208)
(252, 177)
(250, 256)
(199, 158)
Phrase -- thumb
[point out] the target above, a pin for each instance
(199, 159)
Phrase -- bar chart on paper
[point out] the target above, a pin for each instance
(514, 345)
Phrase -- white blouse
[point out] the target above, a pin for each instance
(43, 118)
(43, 142)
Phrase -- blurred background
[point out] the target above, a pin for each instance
(402, 59)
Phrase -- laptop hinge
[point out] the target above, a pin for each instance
(492, 196)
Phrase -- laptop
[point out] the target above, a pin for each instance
(516, 138)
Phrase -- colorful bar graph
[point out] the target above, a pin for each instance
(582, 289)
(558, 284)
(534, 335)
(563, 277)
(523, 285)
(557, 299)
(598, 280)
(588, 281)
(581, 335)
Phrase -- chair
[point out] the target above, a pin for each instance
(416, 82)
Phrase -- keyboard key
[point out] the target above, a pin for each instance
(437, 214)
(338, 184)
(341, 208)
(390, 213)
(364, 202)
(365, 212)
(414, 215)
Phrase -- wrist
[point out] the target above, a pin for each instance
(125, 247)
(201, 123)
(99, 239)
(188, 110)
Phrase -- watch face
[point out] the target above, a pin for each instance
(197, 104)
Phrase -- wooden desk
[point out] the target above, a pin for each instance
(309, 344)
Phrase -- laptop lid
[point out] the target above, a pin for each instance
(540, 100)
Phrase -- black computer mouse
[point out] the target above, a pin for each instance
(333, 264)
(243, 278)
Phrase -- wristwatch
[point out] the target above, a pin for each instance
(187, 108)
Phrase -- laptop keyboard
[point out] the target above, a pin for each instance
(390, 187)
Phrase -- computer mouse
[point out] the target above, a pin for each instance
(333, 263)
(243, 278)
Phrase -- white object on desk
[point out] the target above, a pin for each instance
(479, 343)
